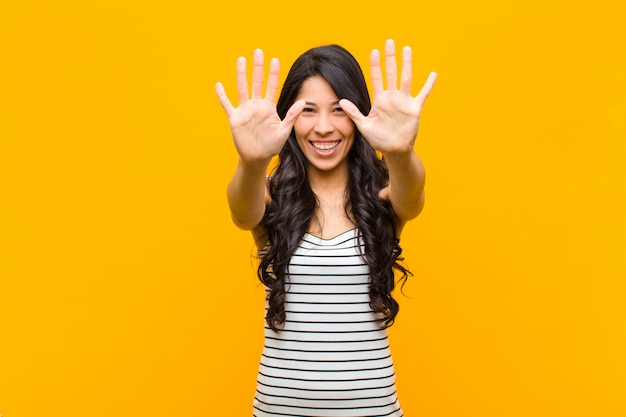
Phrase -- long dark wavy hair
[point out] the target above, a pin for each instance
(293, 203)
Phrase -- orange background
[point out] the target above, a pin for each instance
(126, 291)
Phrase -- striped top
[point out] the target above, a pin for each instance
(332, 357)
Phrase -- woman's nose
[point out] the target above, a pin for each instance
(324, 124)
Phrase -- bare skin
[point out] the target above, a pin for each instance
(319, 119)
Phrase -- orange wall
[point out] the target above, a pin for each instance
(126, 291)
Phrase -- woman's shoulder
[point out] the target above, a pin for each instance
(384, 193)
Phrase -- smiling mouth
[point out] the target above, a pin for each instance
(325, 146)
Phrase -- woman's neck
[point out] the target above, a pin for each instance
(329, 185)
(330, 217)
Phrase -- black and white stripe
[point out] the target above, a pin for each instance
(332, 357)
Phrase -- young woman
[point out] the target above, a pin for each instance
(327, 223)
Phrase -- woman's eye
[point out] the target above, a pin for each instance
(338, 110)
(307, 110)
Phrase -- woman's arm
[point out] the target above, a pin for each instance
(391, 127)
(406, 185)
(247, 195)
(258, 134)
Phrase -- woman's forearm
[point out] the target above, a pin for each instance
(247, 194)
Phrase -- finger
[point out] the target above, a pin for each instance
(292, 114)
(390, 65)
(377, 75)
(272, 81)
(406, 77)
(352, 111)
(223, 98)
(426, 89)
(257, 74)
(242, 80)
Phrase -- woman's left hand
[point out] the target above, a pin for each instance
(393, 121)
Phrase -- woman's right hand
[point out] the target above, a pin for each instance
(258, 131)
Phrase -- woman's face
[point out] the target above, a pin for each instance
(324, 132)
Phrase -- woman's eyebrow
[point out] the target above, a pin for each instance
(311, 103)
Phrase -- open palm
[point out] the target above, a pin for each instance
(258, 131)
(393, 121)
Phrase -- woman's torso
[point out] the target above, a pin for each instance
(332, 357)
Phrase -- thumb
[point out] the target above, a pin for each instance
(224, 101)
(293, 113)
(352, 111)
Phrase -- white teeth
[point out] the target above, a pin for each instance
(325, 146)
